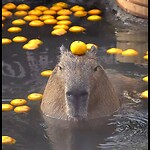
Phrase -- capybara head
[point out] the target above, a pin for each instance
(79, 89)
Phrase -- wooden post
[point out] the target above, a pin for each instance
(135, 7)
(134, 40)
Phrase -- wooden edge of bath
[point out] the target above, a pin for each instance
(132, 8)
(140, 2)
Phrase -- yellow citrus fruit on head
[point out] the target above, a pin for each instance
(41, 8)
(23, 7)
(7, 107)
(89, 46)
(114, 51)
(20, 13)
(30, 46)
(36, 23)
(18, 22)
(145, 79)
(19, 39)
(18, 102)
(78, 48)
(9, 6)
(6, 41)
(22, 109)
(94, 12)
(76, 29)
(35, 96)
(94, 18)
(14, 29)
(129, 52)
(144, 94)
(59, 32)
(46, 73)
(8, 140)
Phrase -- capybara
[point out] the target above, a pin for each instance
(79, 89)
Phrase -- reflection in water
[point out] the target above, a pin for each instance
(82, 136)
(27, 129)
(131, 131)
(8, 70)
(135, 40)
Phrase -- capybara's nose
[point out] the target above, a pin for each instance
(77, 94)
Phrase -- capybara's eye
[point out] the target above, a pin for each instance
(59, 68)
(96, 68)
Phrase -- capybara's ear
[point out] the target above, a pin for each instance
(62, 49)
(92, 51)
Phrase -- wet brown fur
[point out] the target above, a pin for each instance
(103, 100)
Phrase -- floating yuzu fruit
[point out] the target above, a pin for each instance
(18, 22)
(80, 13)
(129, 52)
(94, 18)
(19, 39)
(23, 7)
(22, 109)
(20, 13)
(36, 23)
(114, 51)
(144, 94)
(59, 32)
(76, 29)
(6, 41)
(94, 12)
(8, 140)
(50, 21)
(18, 102)
(41, 8)
(35, 12)
(63, 17)
(31, 17)
(9, 6)
(14, 29)
(64, 22)
(44, 17)
(46, 73)
(35, 96)
(7, 107)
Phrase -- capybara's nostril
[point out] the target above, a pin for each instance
(77, 94)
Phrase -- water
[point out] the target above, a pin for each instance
(127, 129)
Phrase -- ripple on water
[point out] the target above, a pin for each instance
(131, 132)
